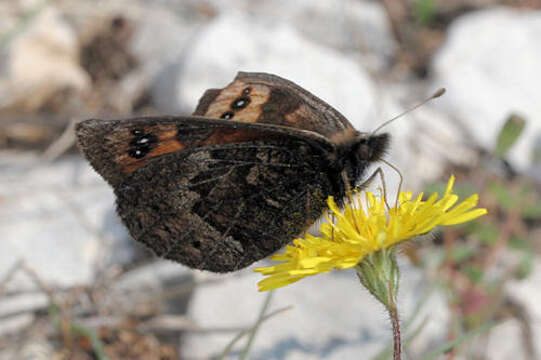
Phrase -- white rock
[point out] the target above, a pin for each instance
(13, 324)
(42, 61)
(422, 141)
(333, 317)
(490, 69)
(38, 349)
(527, 293)
(505, 341)
(153, 276)
(141, 290)
(160, 36)
(345, 25)
(160, 39)
(234, 42)
(63, 227)
(24, 302)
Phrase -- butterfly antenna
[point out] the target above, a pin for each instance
(437, 94)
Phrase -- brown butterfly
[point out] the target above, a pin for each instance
(248, 172)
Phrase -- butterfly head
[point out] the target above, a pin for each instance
(371, 147)
(359, 152)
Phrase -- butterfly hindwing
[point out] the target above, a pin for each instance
(270, 99)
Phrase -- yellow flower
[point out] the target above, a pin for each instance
(357, 232)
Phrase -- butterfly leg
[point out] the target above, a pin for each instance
(371, 178)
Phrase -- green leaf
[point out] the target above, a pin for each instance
(486, 232)
(474, 273)
(509, 134)
(532, 211)
(463, 190)
(97, 345)
(519, 243)
(525, 266)
(462, 252)
(425, 11)
(76, 329)
(530, 200)
(506, 198)
(438, 188)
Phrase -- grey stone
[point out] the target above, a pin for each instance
(333, 317)
(36, 350)
(527, 293)
(41, 60)
(21, 303)
(161, 286)
(505, 342)
(215, 58)
(153, 275)
(424, 141)
(489, 66)
(12, 324)
(59, 219)
(159, 43)
(347, 25)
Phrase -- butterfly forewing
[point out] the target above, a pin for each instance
(217, 204)
(118, 147)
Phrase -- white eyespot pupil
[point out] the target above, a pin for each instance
(143, 141)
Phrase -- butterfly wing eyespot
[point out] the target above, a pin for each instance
(227, 115)
(240, 103)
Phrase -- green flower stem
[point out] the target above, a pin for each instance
(379, 274)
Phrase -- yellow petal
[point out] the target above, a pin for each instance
(469, 216)
(355, 232)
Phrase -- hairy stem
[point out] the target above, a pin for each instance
(393, 312)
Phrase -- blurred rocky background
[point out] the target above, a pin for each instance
(73, 285)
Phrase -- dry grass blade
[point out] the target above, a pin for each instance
(240, 335)
(62, 144)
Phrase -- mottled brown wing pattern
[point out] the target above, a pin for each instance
(217, 203)
(222, 208)
(270, 99)
(117, 147)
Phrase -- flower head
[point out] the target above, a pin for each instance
(357, 232)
